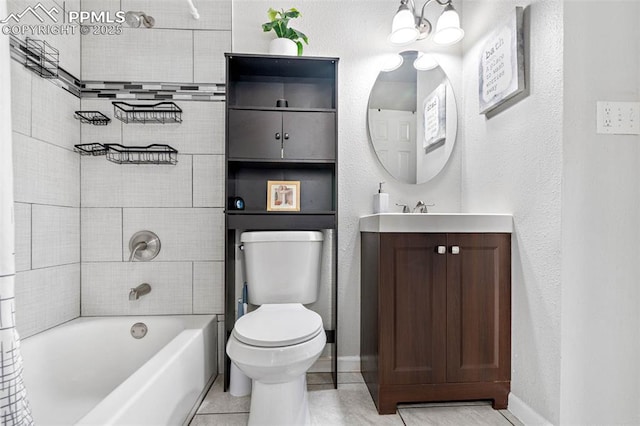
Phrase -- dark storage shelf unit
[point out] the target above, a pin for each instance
(266, 141)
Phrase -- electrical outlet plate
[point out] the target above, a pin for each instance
(618, 118)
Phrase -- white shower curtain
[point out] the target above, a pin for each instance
(14, 408)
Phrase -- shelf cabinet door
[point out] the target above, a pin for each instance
(479, 308)
(309, 135)
(255, 134)
(412, 307)
(275, 135)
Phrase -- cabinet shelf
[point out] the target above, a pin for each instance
(295, 109)
(264, 212)
(281, 220)
(270, 163)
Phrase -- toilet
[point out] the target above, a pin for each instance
(278, 342)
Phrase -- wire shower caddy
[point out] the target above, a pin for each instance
(161, 112)
(41, 58)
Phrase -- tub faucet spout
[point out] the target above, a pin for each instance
(140, 246)
(139, 291)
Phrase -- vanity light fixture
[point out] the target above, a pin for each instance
(408, 26)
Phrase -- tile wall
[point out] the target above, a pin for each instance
(75, 215)
(47, 188)
(183, 204)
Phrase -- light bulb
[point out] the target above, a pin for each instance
(448, 29)
(403, 28)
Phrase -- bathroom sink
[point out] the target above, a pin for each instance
(436, 222)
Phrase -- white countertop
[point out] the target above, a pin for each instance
(437, 222)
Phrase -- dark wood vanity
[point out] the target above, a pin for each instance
(435, 317)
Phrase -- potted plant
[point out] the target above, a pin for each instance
(289, 39)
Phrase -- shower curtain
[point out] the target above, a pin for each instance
(14, 408)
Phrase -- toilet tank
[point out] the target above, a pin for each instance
(282, 266)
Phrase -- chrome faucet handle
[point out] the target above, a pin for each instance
(405, 208)
(422, 207)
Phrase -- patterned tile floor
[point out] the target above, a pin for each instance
(351, 405)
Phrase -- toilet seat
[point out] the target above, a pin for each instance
(278, 325)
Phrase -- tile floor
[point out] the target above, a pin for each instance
(351, 405)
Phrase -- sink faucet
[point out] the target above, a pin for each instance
(422, 207)
(139, 291)
(405, 208)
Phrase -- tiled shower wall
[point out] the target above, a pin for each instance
(46, 189)
(183, 204)
(76, 214)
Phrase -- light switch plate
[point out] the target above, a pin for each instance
(618, 118)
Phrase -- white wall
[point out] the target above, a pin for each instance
(355, 31)
(600, 211)
(513, 163)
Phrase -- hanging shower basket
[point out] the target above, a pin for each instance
(152, 154)
(162, 112)
(41, 58)
(90, 149)
(92, 117)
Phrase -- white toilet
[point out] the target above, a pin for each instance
(277, 343)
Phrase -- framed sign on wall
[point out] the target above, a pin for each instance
(501, 71)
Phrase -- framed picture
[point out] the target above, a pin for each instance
(501, 71)
(283, 196)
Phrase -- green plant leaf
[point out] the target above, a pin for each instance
(300, 35)
(268, 26)
(292, 13)
(299, 48)
(272, 13)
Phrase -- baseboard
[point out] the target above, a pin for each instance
(346, 364)
(349, 364)
(525, 413)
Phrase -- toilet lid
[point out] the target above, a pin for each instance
(278, 325)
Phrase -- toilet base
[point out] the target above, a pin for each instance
(280, 403)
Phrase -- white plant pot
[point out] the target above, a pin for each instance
(283, 46)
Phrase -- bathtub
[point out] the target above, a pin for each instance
(92, 371)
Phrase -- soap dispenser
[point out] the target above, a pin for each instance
(380, 201)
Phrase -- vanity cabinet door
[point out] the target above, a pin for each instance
(255, 134)
(478, 308)
(412, 306)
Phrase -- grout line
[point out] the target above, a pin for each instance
(122, 232)
(400, 415)
(31, 237)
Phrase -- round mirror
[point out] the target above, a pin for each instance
(413, 119)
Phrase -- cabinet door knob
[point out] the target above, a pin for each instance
(442, 250)
(277, 136)
(286, 135)
(455, 250)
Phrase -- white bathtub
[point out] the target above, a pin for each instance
(91, 371)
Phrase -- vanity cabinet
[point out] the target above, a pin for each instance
(436, 317)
